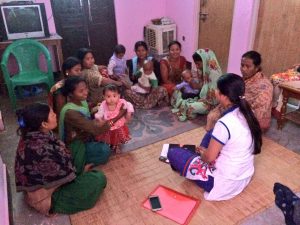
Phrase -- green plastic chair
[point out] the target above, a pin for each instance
(27, 53)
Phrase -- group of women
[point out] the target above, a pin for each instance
(58, 175)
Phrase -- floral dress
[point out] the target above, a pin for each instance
(189, 108)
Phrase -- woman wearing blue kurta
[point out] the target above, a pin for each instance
(208, 72)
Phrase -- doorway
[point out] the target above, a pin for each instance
(215, 28)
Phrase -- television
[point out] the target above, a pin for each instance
(23, 21)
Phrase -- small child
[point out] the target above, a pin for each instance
(185, 86)
(147, 79)
(109, 108)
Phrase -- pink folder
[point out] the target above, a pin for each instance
(175, 206)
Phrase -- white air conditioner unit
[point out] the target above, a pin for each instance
(158, 37)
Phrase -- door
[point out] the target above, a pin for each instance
(70, 23)
(277, 35)
(86, 23)
(102, 29)
(215, 28)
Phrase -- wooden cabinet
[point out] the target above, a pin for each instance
(86, 23)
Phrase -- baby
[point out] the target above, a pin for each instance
(147, 79)
(185, 86)
(110, 108)
(117, 69)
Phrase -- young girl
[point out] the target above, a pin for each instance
(45, 169)
(117, 63)
(109, 108)
(147, 79)
(70, 67)
(226, 167)
(93, 77)
(117, 68)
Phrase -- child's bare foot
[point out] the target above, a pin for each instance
(88, 167)
(118, 149)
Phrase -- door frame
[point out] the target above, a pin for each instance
(238, 44)
(243, 30)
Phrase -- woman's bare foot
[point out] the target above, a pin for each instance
(88, 167)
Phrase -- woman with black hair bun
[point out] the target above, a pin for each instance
(224, 165)
(53, 179)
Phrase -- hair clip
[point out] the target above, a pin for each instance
(242, 97)
(21, 122)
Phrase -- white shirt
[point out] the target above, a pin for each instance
(235, 163)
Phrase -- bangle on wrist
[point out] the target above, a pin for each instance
(110, 123)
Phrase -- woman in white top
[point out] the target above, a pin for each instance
(226, 167)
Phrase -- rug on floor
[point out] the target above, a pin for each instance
(149, 126)
(133, 175)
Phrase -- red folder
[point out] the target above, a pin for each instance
(175, 205)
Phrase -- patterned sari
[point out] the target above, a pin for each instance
(157, 96)
(189, 108)
(44, 170)
(258, 93)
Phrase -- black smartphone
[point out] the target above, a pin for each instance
(154, 202)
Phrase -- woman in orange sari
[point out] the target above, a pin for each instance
(172, 66)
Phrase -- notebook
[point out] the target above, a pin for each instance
(164, 152)
(175, 205)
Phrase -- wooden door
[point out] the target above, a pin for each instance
(86, 23)
(215, 28)
(102, 29)
(70, 23)
(277, 35)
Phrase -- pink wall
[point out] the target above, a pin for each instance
(185, 15)
(242, 33)
(50, 19)
(132, 16)
(52, 29)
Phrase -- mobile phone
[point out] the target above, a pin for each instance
(154, 202)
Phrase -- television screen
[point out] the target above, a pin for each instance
(23, 21)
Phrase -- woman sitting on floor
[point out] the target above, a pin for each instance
(45, 169)
(70, 67)
(172, 66)
(226, 167)
(94, 76)
(258, 92)
(77, 129)
(208, 72)
(157, 96)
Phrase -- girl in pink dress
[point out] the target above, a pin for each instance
(109, 108)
